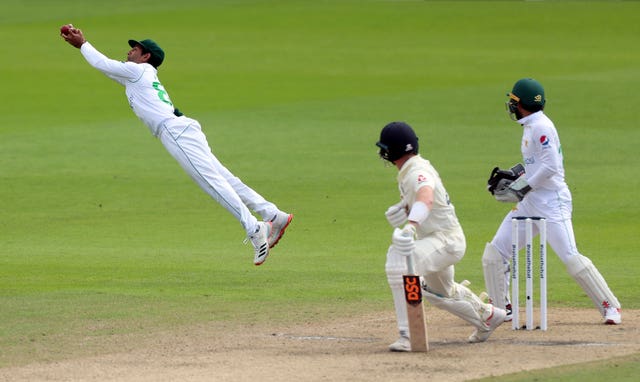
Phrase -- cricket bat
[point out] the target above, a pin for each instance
(415, 310)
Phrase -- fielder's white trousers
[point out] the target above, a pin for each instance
(184, 140)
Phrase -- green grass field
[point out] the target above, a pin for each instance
(103, 233)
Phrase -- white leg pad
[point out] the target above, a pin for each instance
(589, 278)
(464, 304)
(396, 266)
(496, 275)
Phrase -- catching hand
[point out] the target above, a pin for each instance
(511, 191)
(72, 35)
(499, 177)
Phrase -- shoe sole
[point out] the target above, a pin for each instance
(281, 233)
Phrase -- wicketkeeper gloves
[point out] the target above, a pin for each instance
(512, 192)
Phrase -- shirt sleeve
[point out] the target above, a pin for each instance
(116, 70)
(549, 158)
(423, 179)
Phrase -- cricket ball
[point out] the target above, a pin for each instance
(65, 28)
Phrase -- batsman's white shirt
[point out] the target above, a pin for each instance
(416, 173)
(440, 241)
(181, 136)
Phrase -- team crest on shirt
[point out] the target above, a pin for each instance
(544, 140)
(421, 178)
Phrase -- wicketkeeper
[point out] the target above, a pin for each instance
(539, 189)
(427, 229)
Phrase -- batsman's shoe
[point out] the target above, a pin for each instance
(279, 225)
(613, 316)
(260, 242)
(495, 319)
(401, 344)
(509, 316)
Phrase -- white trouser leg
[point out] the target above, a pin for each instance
(464, 304)
(502, 244)
(496, 275)
(249, 197)
(395, 267)
(188, 145)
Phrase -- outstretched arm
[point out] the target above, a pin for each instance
(116, 70)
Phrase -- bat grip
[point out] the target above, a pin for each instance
(410, 266)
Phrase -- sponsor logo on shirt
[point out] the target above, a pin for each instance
(544, 140)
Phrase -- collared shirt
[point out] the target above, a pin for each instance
(147, 97)
(416, 173)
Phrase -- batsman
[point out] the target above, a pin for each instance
(426, 230)
(539, 189)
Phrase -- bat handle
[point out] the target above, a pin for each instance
(410, 266)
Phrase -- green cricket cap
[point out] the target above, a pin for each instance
(150, 46)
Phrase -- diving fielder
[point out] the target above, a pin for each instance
(539, 189)
(184, 140)
(432, 236)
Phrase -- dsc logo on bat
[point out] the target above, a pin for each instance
(412, 290)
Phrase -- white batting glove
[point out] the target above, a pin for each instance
(397, 214)
(403, 240)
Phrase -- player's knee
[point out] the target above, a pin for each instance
(491, 255)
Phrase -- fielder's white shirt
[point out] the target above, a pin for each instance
(542, 153)
(147, 97)
(416, 173)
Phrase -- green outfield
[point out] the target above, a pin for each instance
(103, 233)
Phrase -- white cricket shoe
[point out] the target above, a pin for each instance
(612, 316)
(279, 224)
(260, 242)
(495, 319)
(402, 344)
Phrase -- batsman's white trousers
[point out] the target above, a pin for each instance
(184, 140)
(435, 257)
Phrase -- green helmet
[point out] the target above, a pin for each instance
(529, 93)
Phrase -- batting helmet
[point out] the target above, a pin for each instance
(529, 93)
(396, 140)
